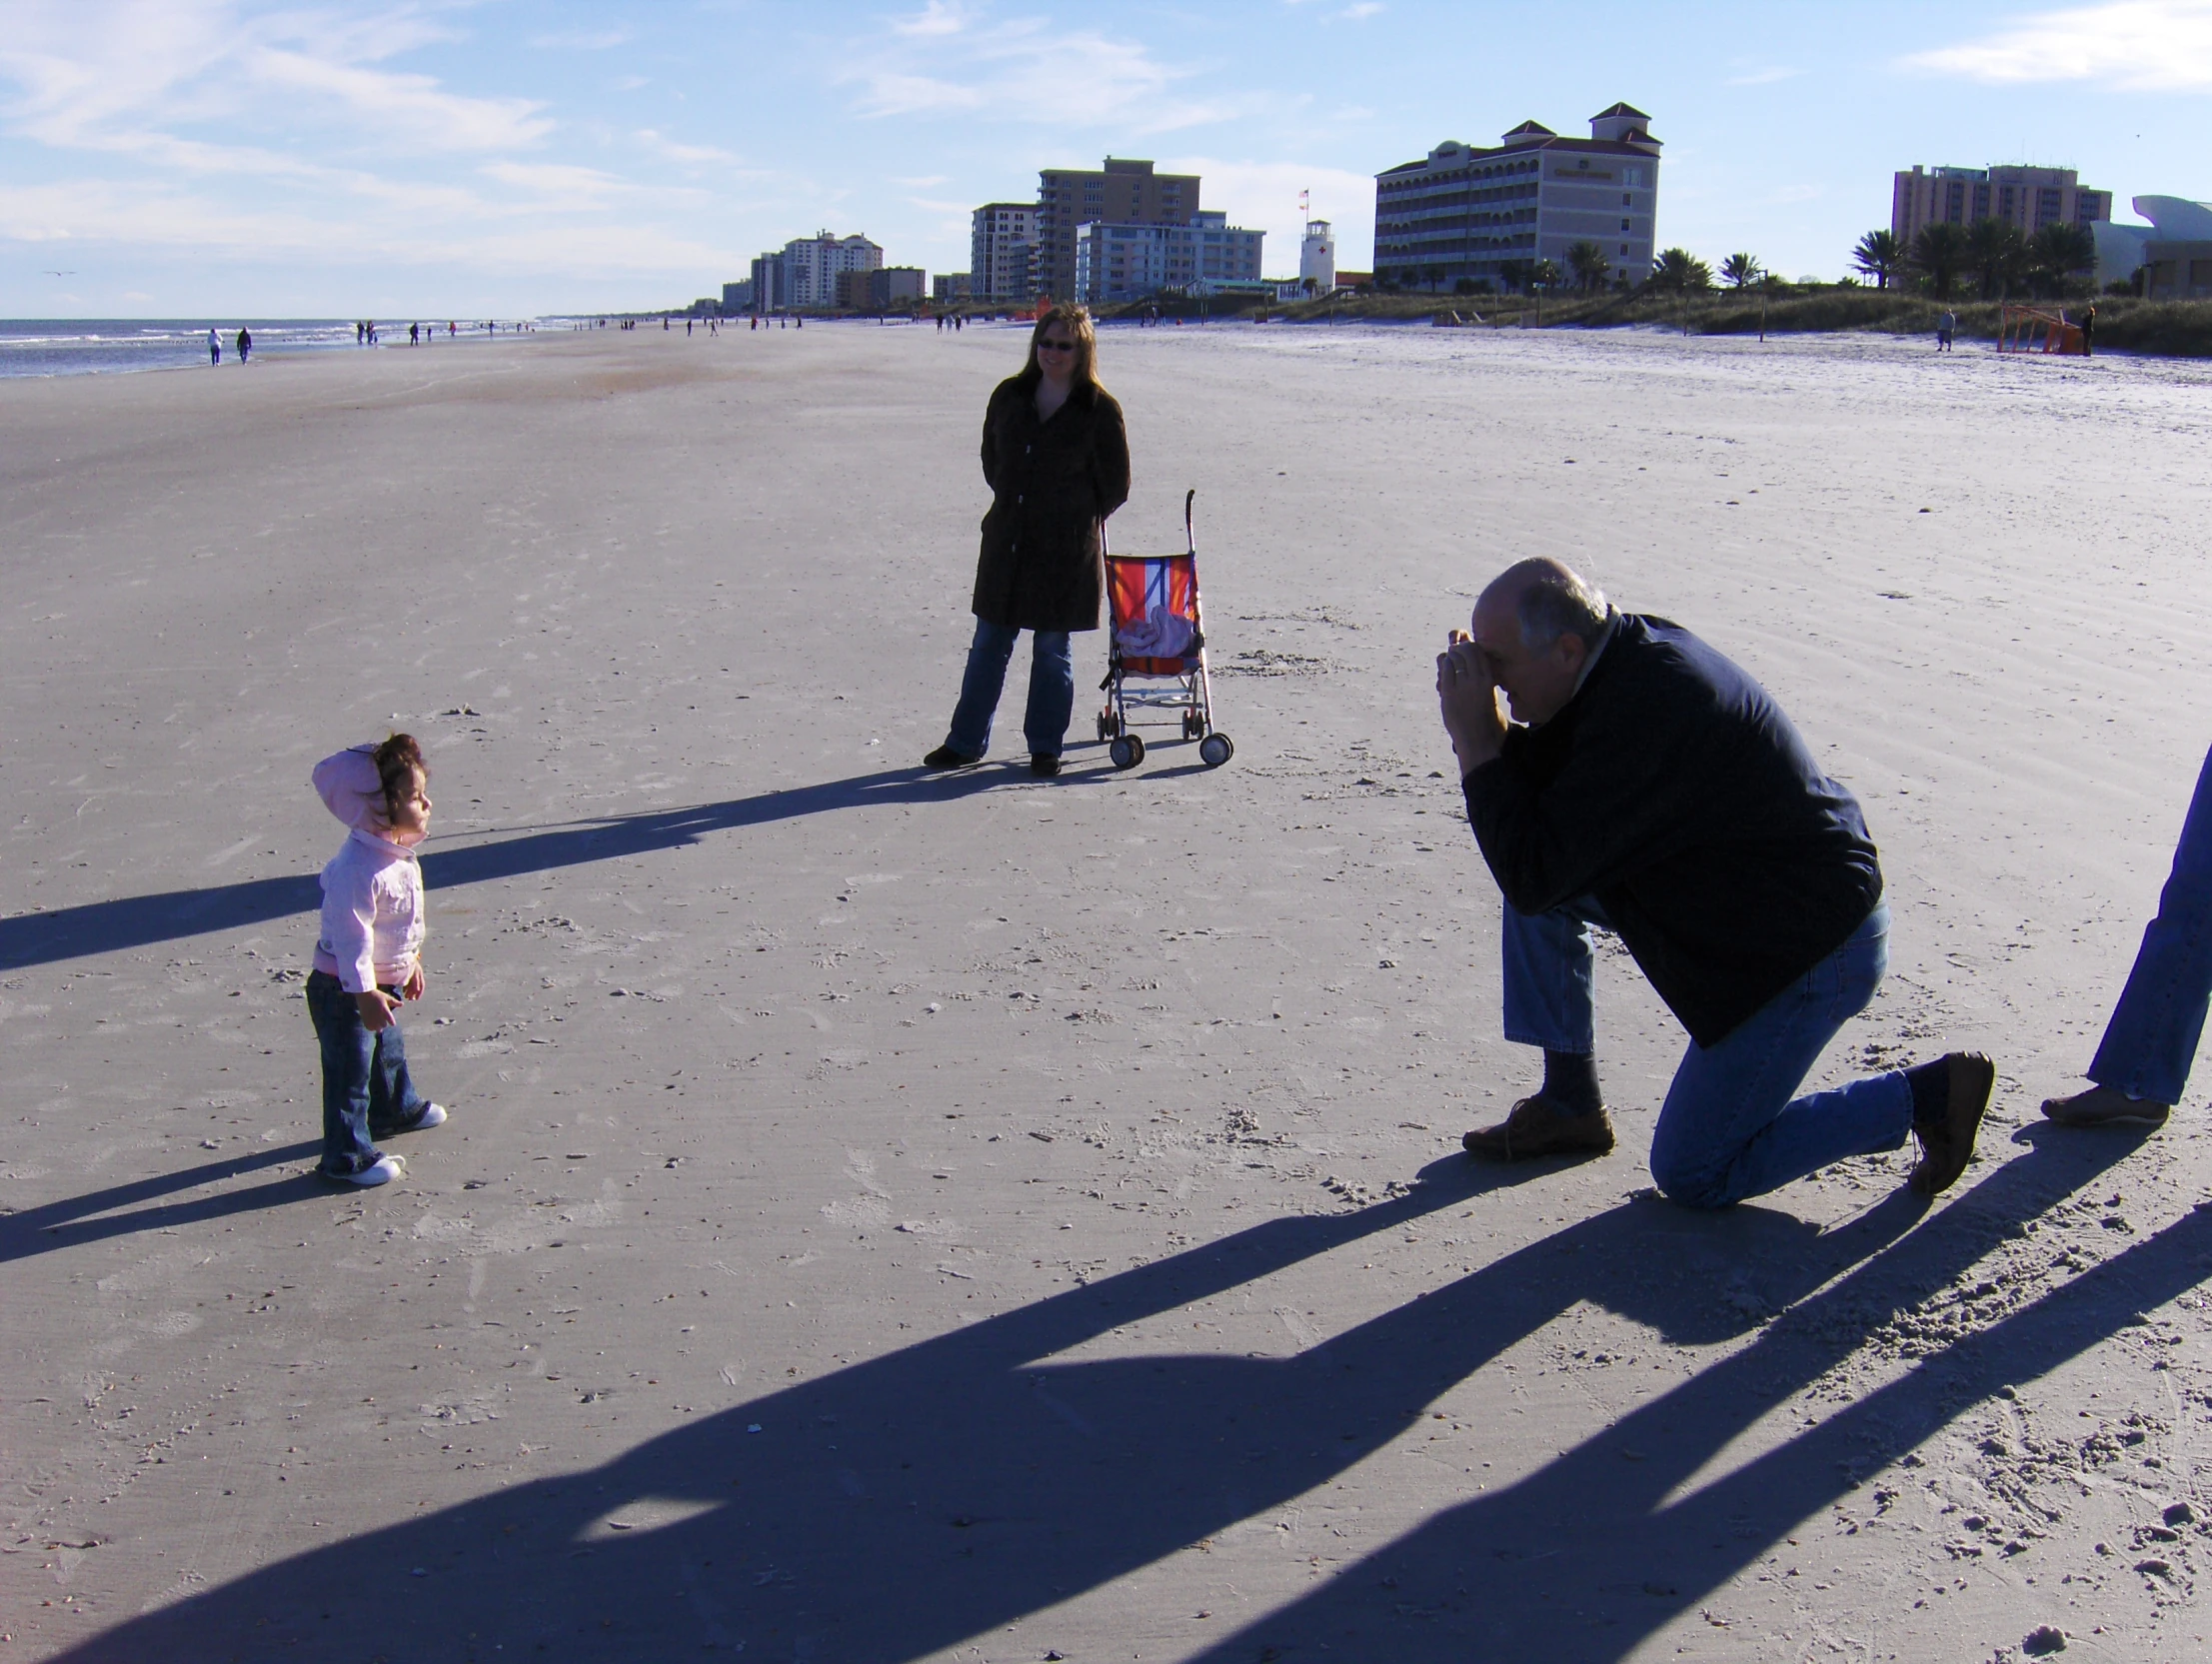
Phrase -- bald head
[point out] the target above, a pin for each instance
(1539, 621)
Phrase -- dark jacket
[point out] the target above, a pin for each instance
(1052, 483)
(1672, 790)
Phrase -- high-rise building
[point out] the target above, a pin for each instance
(769, 282)
(737, 297)
(1487, 214)
(1318, 257)
(951, 287)
(812, 265)
(1001, 251)
(2031, 198)
(1122, 193)
(1130, 262)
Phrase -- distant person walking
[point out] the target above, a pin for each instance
(214, 345)
(1944, 327)
(245, 345)
(2089, 333)
(1056, 458)
(2142, 1064)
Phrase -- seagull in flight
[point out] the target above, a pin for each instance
(61, 274)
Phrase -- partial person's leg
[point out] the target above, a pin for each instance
(2152, 1038)
(986, 675)
(1052, 692)
(1731, 1128)
(394, 1103)
(346, 1047)
(1547, 972)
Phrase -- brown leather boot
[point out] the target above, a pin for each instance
(1537, 1126)
(1947, 1143)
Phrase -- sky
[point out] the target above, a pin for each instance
(472, 158)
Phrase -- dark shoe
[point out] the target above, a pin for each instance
(1044, 765)
(1947, 1141)
(947, 757)
(2107, 1107)
(1537, 1126)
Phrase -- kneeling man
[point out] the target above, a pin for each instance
(1648, 786)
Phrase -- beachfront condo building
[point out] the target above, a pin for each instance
(2031, 198)
(1001, 251)
(1127, 262)
(879, 288)
(1487, 214)
(951, 287)
(805, 271)
(1122, 193)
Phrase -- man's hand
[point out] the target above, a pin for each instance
(379, 1011)
(1467, 693)
(411, 988)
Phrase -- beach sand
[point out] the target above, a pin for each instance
(888, 1217)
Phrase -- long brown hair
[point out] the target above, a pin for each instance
(1077, 318)
(398, 761)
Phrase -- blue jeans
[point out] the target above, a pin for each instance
(366, 1086)
(1051, 690)
(2152, 1037)
(1731, 1128)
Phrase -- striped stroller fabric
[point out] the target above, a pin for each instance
(1155, 599)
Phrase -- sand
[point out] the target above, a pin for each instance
(894, 1217)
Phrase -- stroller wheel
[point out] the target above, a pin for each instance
(1105, 727)
(1193, 725)
(1215, 750)
(1127, 752)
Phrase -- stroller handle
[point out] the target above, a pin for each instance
(1188, 498)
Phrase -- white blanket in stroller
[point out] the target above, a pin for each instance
(1161, 635)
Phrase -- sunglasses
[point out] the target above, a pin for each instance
(1056, 346)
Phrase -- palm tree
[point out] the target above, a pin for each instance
(2056, 252)
(1997, 253)
(1740, 271)
(1543, 274)
(1681, 271)
(1880, 256)
(1588, 263)
(1937, 254)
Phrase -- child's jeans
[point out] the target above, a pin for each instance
(366, 1089)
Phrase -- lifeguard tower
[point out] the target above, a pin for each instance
(2028, 329)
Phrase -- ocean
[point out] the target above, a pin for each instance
(108, 345)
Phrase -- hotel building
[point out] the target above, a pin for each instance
(1001, 251)
(1122, 193)
(1121, 262)
(2031, 198)
(1486, 214)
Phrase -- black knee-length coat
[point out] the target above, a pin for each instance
(1052, 483)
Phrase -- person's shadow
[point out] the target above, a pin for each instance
(141, 921)
(895, 1507)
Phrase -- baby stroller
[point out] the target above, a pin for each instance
(1159, 635)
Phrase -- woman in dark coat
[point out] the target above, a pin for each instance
(1057, 462)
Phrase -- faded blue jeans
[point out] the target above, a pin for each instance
(366, 1088)
(1051, 690)
(2152, 1037)
(1731, 1128)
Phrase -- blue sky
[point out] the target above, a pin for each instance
(470, 157)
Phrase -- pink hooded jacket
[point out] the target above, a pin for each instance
(373, 889)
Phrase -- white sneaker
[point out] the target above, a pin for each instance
(433, 1115)
(382, 1170)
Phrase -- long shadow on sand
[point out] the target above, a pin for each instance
(896, 1507)
(141, 921)
(91, 1217)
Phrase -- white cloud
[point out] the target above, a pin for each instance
(1364, 10)
(2131, 45)
(951, 60)
(581, 41)
(662, 145)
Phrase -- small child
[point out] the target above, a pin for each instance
(369, 957)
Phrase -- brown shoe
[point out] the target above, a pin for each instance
(1948, 1144)
(2107, 1107)
(1537, 1126)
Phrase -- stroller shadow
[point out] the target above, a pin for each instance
(142, 920)
(895, 1507)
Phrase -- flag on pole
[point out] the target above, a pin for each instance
(1305, 199)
